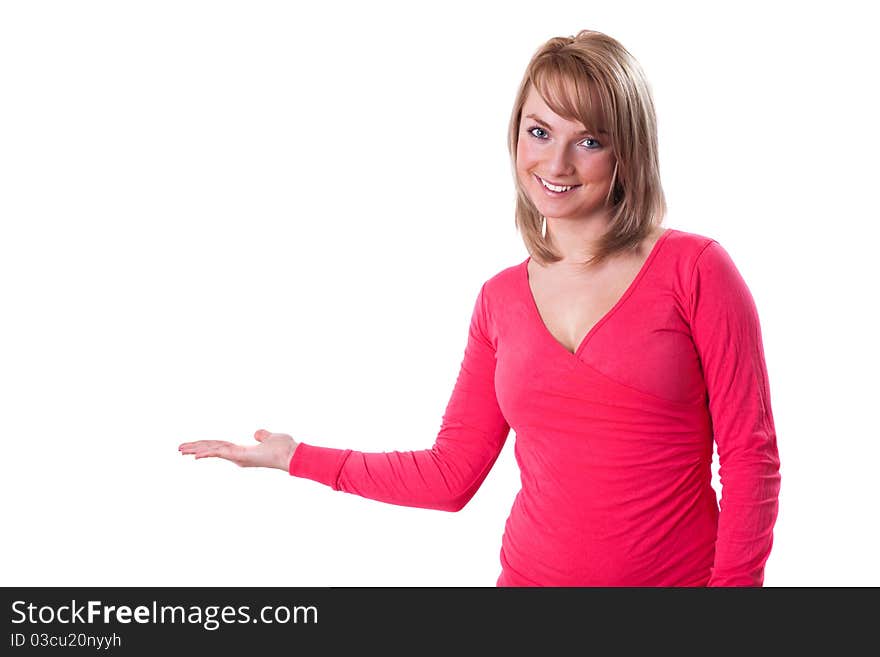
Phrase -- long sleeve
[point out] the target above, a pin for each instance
(472, 433)
(727, 334)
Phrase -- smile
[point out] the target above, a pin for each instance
(555, 190)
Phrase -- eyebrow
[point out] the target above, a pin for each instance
(547, 125)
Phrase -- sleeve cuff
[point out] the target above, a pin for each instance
(321, 464)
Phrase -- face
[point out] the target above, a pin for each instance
(562, 152)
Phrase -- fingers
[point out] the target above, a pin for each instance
(239, 454)
(202, 448)
(260, 435)
(214, 448)
(200, 444)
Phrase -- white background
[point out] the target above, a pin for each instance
(225, 216)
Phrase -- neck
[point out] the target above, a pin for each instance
(575, 239)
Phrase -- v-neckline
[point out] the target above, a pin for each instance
(536, 313)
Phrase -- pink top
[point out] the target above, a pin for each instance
(614, 442)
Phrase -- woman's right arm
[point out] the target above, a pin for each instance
(446, 476)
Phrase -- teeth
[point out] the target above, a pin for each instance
(555, 188)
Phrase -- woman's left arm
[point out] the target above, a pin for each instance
(727, 334)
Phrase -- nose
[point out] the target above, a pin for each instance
(559, 160)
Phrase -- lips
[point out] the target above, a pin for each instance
(541, 181)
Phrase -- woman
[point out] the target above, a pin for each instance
(618, 351)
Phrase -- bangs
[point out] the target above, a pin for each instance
(571, 93)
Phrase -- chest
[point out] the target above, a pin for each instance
(571, 305)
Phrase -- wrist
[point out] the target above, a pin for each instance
(288, 457)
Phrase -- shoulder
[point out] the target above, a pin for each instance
(684, 252)
(499, 291)
(495, 293)
(713, 276)
(702, 253)
(504, 282)
(687, 244)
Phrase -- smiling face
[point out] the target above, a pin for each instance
(562, 153)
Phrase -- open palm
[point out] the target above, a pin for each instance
(273, 450)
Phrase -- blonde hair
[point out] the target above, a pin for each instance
(564, 71)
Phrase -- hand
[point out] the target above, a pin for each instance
(273, 451)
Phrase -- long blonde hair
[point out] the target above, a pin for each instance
(564, 71)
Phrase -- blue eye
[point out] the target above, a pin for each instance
(532, 131)
(595, 143)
